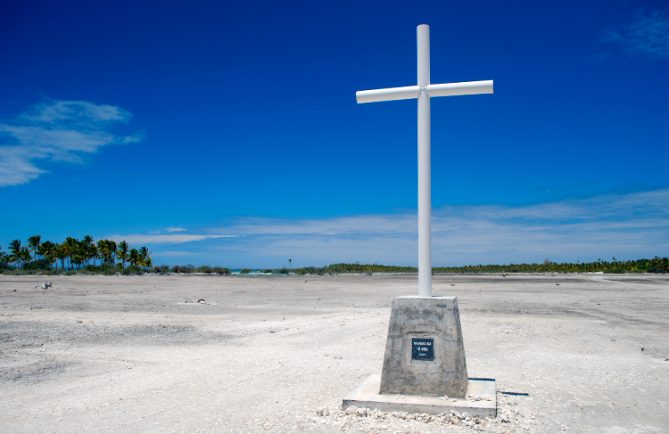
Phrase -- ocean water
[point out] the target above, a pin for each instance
(254, 272)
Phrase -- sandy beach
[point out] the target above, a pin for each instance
(570, 353)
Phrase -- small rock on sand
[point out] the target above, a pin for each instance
(363, 412)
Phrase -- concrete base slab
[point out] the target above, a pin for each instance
(481, 399)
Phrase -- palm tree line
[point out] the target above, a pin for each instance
(74, 254)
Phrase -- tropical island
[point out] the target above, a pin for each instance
(86, 256)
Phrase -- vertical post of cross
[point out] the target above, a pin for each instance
(423, 91)
(424, 165)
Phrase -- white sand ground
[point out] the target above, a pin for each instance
(134, 354)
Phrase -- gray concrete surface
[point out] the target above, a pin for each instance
(570, 353)
(436, 322)
(481, 399)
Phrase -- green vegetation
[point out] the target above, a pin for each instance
(367, 268)
(74, 256)
(655, 265)
(189, 269)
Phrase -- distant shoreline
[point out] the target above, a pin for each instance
(655, 265)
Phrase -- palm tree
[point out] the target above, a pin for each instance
(122, 253)
(15, 247)
(107, 251)
(88, 249)
(134, 257)
(112, 253)
(48, 251)
(4, 258)
(71, 250)
(145, 258)
(34, 243)
(15, 252)
(78, 255)
(24, 255)
(60, 252)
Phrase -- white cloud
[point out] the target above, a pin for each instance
(173, 229)
(630, 225)
(398, 223)
(625, 226)
(164, 238)
(176, 253)
(57, 131)
(75, 112)
(647, 35)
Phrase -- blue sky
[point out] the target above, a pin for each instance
(228, 133)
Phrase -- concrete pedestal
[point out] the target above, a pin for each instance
(425, 354)
(424, 368)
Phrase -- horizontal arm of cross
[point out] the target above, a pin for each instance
(412, 92)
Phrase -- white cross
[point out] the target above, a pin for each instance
(423, 92)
